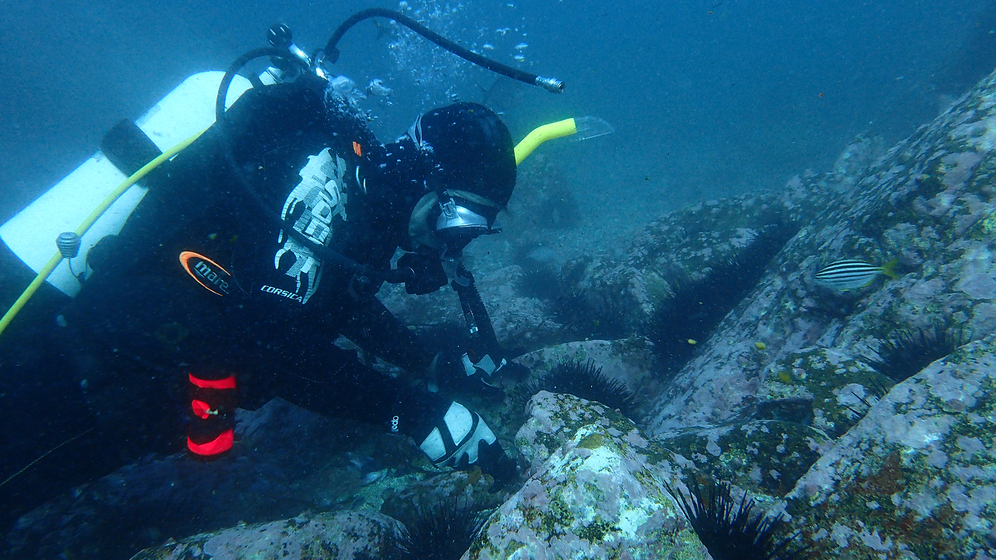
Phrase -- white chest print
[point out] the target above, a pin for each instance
(316, 201)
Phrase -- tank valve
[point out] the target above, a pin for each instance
(280, 36)
(68, 243)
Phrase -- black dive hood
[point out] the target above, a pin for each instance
(294, 62)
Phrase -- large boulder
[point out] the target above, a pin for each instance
(595, 490)
(928, 202)
(916, 477)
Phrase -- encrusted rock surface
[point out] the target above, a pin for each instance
(596, 490)
(821, 388)
(927, 202)
(762, 456)
(907, 470)
(916, 477)
(343, 535)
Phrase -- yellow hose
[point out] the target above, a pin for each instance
(541, 134)
(46, 270)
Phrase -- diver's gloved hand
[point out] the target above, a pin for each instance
(462, 440)
(495, 462)
(466, 372)
(429, 273)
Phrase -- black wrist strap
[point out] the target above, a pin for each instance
(478, 321)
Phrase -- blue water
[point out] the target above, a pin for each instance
(707, 97)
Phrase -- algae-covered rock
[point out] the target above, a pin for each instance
(916, 477)
(765, 457)
(928, 203)
(596, 490)
(340, 536)
(839, 388)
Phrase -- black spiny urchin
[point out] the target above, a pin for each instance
(729, 531)
(585, 380)
(695, 307)
(443, 531)
(590, 314)
(586, 311)
(909, 351)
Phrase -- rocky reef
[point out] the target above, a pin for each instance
(596, 485)
(334, 535)
(785, 395)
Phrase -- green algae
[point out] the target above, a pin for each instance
(825, 376)
(592, 441)
(765, 457)
(596, 531)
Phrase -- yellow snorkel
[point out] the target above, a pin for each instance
(584, 127)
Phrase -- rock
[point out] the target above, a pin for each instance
(929, 202)
(286, 460)
(336, 536)
(596, 490)
(763, 457)
(916, 477)
(838, 388)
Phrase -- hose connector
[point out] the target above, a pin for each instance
(553, 85)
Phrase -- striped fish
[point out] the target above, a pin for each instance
(850, 274)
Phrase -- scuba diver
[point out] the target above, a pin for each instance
(241, 295)
(264, 242)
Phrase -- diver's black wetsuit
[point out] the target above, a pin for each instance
(150, 320)
(203, 298)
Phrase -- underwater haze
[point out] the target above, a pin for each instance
(708, 98)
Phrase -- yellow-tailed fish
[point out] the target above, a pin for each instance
(850, 274)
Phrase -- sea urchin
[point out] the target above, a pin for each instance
(695, 307)
(442, 531)
(904, 355)
(729, 531)
(585, 380)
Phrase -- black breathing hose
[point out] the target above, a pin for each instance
(394, 276)
(331, 52)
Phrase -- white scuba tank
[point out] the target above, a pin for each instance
(31, 234)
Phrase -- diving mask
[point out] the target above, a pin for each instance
(459, 223)
(449, 220)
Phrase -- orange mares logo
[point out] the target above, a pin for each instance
(207, 273)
